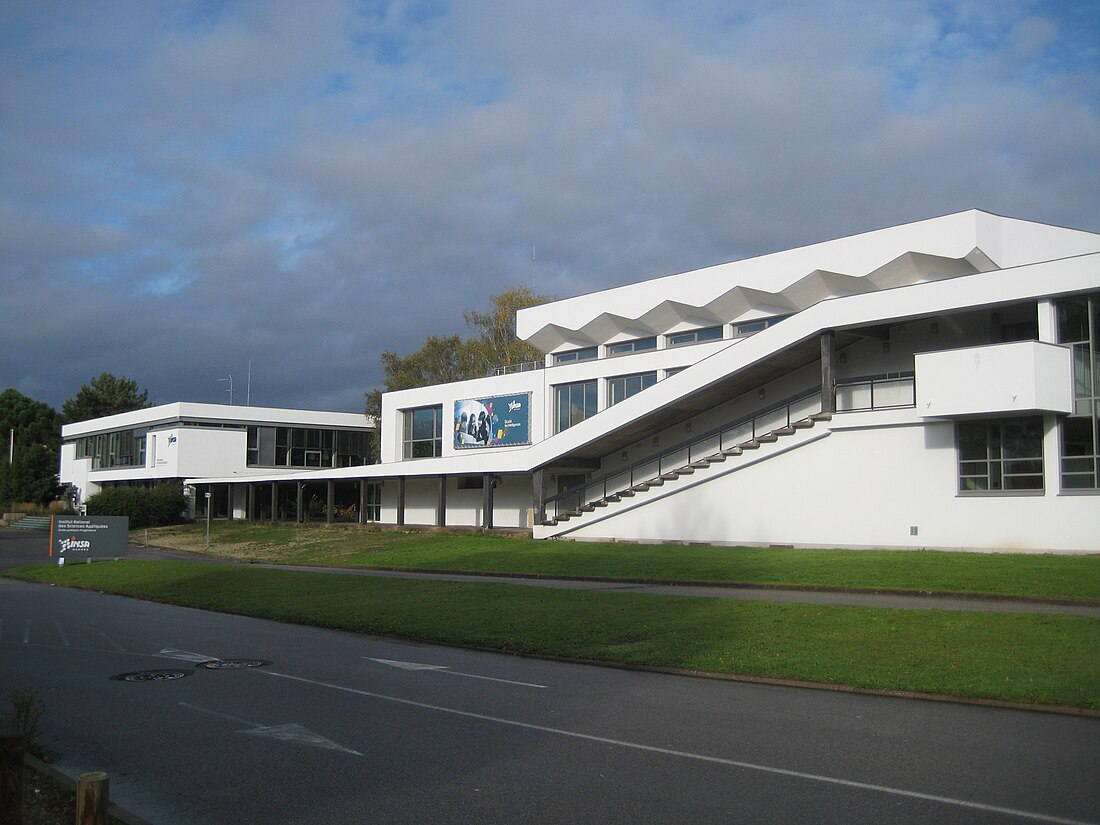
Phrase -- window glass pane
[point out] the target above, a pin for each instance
(1073, 321)
(710, 334)
(972, 443)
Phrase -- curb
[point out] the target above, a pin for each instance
(114, 811)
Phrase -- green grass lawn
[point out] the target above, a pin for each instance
(1013, 657)
(1006, 574)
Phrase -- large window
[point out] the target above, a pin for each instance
(586, 354)
(424, 432)
(1079, 328)
(621, 388)
(307, 447)
(1000, 456)
(696, 336)
(125, 448)
(637, 345)
(575, 402)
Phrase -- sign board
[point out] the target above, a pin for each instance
(497, 421)
(80, 538)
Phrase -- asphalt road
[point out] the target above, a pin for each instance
(339, 728)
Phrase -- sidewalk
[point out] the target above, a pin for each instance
(740, 592)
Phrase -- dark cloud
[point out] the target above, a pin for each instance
(186, 188)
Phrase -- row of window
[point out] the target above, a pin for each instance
(679, 339)
(125, 448)
(307, 447)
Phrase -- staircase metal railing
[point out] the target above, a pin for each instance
(650, 470)
(877, 392)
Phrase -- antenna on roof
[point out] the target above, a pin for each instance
(230, 380)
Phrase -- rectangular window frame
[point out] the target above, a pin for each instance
(991, 462)
(622, 387)
(695, 336)
(630, 347)
(422, 432)
(574, 355)
(575, 402)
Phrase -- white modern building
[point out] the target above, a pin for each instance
(932, 385)
(184, 440)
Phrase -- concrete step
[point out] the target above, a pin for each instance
(32, 523)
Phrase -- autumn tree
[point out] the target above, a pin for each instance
(452, 358)
(106, 394)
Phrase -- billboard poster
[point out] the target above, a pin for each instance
(79, 538)
(497, 421)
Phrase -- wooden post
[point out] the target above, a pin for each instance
(11, 778)
(92, 798)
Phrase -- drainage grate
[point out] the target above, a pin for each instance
(151, 675)
(229, 664)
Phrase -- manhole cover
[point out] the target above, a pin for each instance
(151, 675)
(228, 664)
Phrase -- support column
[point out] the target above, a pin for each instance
(401, 501)
(362, 501)
(441, 503)
(828, 380)
(250, 505)
(330, 501)
(301, 515)
(487, 490)
(274, 501)
(538, 499)
(230, 500)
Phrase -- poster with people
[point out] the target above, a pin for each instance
(498, 421)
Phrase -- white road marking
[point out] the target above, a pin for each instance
(112, 642)
(449, 672)
(734, 763)
(27, 632)
(185, 655)
(284, 733)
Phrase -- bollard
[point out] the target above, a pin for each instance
(11, 778)
(92, 798)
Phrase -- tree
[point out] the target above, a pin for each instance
(498, 344)
(32, 474)
(450, 358)
(105, 394)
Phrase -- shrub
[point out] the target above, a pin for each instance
(145, 506)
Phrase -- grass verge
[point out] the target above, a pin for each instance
(1003, 574)
(1012, 657)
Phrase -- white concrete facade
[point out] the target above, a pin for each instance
(924, 385)
(182, 440)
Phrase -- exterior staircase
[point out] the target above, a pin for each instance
(688, 469)
(31, 523)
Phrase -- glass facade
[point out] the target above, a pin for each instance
(423, 436)
(1000, 456)
(575, 402)
(307, 447)
(621, 388)
(1079, 329)
(125, 448)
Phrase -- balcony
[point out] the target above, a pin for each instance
(998, 379)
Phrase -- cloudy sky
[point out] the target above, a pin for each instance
(189, 186)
